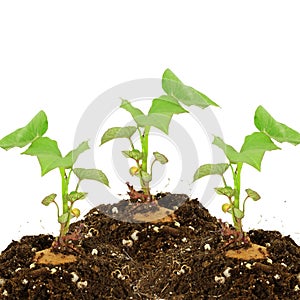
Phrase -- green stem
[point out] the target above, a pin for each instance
(237, 184)
(64, 189)
(57, 208)
(237, 188)
(138, 162)
(131, 143)
(224, 181)
(77, 186)
(244, 205)
(144, 141)
(65, 179)
(151, 167)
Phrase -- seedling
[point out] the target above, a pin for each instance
(251, 153)
(159, 116)
(50, 158)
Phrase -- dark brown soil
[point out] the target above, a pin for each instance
(182, 257)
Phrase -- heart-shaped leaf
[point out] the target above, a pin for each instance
(25, 135)
(226, 191)
(154, 118)
(49, 199)
(63, 218)
(91, 174)
(118, 132)
(230, 152)
(210, 169)
(74, 196)
(162, 111)
(159, 120)
(134, 154)
(238, 213)
(183, 93)
(252, 152)
(254, 148)
(166, 104)
(47, 152)
(138, 116)
(146, 177)
(277, 131)
(253, 195)
(69, 160)
(160, 157)
(49, 155)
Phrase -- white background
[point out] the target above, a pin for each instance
(60, 55)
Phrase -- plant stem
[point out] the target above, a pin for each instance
(57, 208)
(151, 167)
(64, 189)
(240, 227)
(244, 205)
(77, 185)
(224, 181)
(64, 227)
(144, 142)
(236, 203)
(131, 143)
(237, 184)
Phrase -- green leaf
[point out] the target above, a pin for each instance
(25, 135)
(160, 121)
(238, 213)
(69, 160)
(252, 151)
(253, 195)
(160, 157)
(159, 115)
(254, 148)
(230, 152)
(49, 199)
(275, 130)
(138, 116)
(146, 177)
(183, 93)
(166, 105)
(226, 191)
(156, 119)
(49, 156)
(210, 169)
(63, 218)
(162, 111)
(91, 174)
(134, 154)
(127, 153)
(74, 196)
(118, 132)
(47, 152)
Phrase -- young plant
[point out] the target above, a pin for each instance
(251, 153)
(159, 115)
(50, 158)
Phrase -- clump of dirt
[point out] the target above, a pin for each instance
(180, 256)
